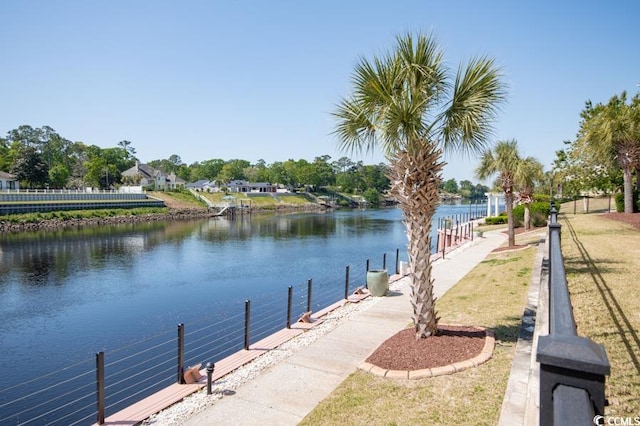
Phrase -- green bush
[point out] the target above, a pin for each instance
(495, 220)
(620, 202)
(539, 211)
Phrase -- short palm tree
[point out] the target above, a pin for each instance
(504, 161)
(408, 104)
(529, 172)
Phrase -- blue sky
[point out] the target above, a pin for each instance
(259, 80)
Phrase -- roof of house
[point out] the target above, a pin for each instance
(252, 184)
(5, 175)
(175, 179)
(197, 184)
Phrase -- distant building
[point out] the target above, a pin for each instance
(8, 181)
(146, 176)
(233, 186)
(244, 186)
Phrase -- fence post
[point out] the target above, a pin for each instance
(247, 322)
(309, 288)
(346, 283)
(289, 303)
(100, 387)
(181, 354)
(397, 261)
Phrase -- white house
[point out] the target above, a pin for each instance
(244, 186)
(8, 181)
(156, 179)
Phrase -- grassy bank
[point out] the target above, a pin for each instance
(492, 295)
(262, 201)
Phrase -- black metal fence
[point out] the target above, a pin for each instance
(572, 368)
(119, 378)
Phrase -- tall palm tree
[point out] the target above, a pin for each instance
(504, 161)
(529, 172)
(611, 133)
(408, 104)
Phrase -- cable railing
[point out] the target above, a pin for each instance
(82, 393)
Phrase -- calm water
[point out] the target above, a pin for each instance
(65, 295)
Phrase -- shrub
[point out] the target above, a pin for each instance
(620, 202)
(539, 211)
(495, 220)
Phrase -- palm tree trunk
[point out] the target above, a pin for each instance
(628, 190)
(508, 201)
(527, 216)
(415, 179)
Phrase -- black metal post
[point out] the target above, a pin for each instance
(384, 261)
(367, 265)
(309, 290)
(181, 354)
(210, 367)
(100, 387)
(346, 283)
(247, 322)
(397, 261)
(289, 304)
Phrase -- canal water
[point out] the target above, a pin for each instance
(67, 294)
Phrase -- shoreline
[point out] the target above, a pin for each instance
(170, 215)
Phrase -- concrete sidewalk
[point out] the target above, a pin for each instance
(288, 391)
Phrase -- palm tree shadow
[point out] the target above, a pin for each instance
(621, 321)
(508, 332)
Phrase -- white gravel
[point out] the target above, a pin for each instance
(199, 401)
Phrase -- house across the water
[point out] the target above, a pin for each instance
(233, 186)
(146, 176)
(8, 181)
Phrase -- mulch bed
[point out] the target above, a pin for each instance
(630, 218)
(451, 344)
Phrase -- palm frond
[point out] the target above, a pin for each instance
(478, 93)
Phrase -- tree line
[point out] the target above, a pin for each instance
(41, 158)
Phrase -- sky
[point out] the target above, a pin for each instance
(259, 79)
